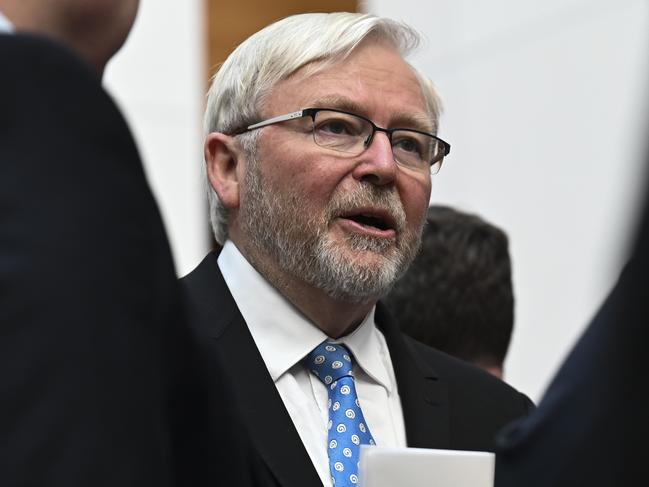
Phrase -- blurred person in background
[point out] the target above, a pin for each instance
(92, 348)
(457, 295)
(94, 30)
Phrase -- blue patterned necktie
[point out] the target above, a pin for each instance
(332, 364)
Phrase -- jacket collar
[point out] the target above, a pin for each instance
(276, 440)
(424, 396)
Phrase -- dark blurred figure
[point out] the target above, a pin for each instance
(95, 29)
(91, 344)
(591, 426)
(457, 295)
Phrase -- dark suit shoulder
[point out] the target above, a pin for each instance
(479, 403)
(470, 381)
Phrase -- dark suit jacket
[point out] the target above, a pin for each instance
(592, 425)
(446, 403)
(90, 338)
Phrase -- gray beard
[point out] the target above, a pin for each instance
(301, 246)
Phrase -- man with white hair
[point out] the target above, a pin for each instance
(321, 141)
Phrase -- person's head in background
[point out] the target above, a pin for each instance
(95, 29)
(457, 295)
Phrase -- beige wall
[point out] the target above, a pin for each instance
(229, 23)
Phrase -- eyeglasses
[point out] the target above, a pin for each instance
(350, 133)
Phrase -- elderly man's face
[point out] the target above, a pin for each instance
(349, 225)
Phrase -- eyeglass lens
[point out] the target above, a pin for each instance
(348, 133)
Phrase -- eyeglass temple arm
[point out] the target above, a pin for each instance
(279, 118)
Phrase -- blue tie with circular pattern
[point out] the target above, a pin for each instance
(332, 364)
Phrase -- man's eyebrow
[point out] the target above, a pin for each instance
(402, 120)
(339, 103)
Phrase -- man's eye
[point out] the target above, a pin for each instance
(334, 127)
(407, 145)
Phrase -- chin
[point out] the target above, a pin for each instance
(350, 274)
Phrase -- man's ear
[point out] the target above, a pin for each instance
(222, 159)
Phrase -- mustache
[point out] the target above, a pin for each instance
(368, 195)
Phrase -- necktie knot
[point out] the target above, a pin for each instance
(330, 362)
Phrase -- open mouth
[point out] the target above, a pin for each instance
(370, 221)
(377, 222)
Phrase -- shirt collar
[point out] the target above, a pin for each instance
(6, 27)
(369, 351)
(283, 335)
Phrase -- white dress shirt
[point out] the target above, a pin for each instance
(6, 27)
(284, 336)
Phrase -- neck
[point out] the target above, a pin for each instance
(335, 317)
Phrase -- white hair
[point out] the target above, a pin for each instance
(273, 54)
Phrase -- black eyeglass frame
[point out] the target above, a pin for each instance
(311, 112)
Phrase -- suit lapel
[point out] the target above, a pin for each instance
(270, 427)
(424, 397)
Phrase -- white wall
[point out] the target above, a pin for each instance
(158, 80)
(545, 106)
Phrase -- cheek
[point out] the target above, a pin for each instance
(302, 178)
(415, 196)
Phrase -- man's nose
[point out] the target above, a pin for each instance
(376, 163)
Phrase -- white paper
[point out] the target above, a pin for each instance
(419, 467)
